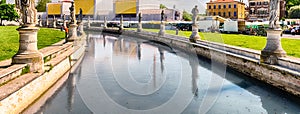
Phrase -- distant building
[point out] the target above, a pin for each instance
(259, 10)
(226, 8)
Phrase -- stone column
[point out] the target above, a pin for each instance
(105, 22)
(40, 23)
(121, 23)
(54, 22)
(89, 23)
(195, 35)
(47, 22)
(28, 52)
(140, 28)
(162, 29)
(73, 26)
(80, 27)
(273, 49)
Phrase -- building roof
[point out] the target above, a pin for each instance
(223, 1)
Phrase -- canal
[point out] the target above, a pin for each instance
(125, 75)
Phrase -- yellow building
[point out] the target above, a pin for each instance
(226, 8)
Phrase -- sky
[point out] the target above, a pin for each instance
(187, 5)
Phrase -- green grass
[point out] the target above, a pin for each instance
(291, 46)
(9, 39)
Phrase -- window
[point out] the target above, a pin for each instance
(234, 6)
(229, 14)
(219, 13)
(224, 6)
(224, 14)
(209, 7)
(219, 6)
(229, 6)
(252, 3)
(214, 13)
(214, 6)
(234, 13)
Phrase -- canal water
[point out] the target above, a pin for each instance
(125, 75)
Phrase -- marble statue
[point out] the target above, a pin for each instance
(195, 13)
(72, 13)
(274, 14)
(162, 15)
(28, 11)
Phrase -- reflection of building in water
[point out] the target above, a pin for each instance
(122, 46)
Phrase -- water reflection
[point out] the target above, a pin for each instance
(138, 76)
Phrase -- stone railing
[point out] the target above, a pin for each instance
(15, 70)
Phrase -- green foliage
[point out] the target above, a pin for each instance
(25, 70)
(291, 3)
(186, 16)
(294, 12)
(161, 6)
(41, 6)
(8, 12)
(3, 2)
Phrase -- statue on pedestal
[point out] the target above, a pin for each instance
(28, 12)
(195, 13)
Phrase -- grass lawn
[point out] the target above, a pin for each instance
(9, 39)
(291, 46)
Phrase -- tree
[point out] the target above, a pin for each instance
(41, 6)
(294, 12)
(186, 16)
(8, 12)
(161, 6)
(291, 3)
(3, 2)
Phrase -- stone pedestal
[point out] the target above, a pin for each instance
(140, 28)
(162, 29)
(28, 52)
(273, 49)
(72, 33)
(40, 23)
(54, 23)
(121, 23)
(80, 27)
(105, 23)
(194, 36)
(89, 23)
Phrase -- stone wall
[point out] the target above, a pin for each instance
(285, 76)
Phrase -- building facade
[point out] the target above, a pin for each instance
(259, 10)
(234, 10)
